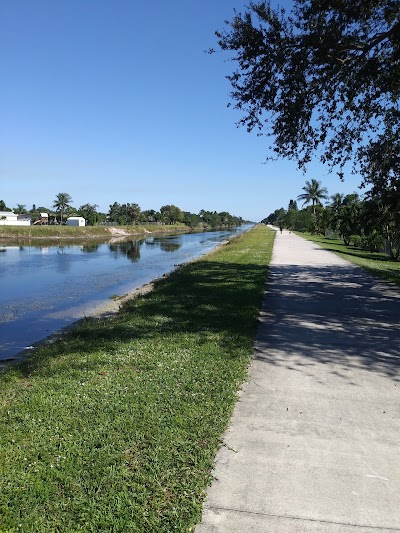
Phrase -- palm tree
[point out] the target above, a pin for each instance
(20, 209)
(62, 202)
(313, 193)
(337, 201)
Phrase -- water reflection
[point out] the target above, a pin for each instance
(166, 244)
(171, 244)
(45, 243)
(129, 248)
(45, 286)
(63, 263)
(90, 248)
(132, 248)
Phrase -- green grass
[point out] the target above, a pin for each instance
(115, 426)
(69, 232)
(378, 264)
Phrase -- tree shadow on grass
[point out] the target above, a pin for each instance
(338, 316)
(201, 299)
(371, 256)
(346, 250)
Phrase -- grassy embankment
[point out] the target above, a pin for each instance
(68, 232)
(115, 426)
(378, 264)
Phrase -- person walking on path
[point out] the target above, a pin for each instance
(314, 442)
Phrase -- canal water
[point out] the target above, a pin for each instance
(44, 288)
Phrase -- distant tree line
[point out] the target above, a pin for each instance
(366, 222)
(124, 214)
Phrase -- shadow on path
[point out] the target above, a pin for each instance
(330, 314)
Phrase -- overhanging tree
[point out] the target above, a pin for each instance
(323, 79)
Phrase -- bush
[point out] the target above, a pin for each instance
(356, 240)
(373, 242)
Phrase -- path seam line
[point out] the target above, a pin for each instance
(320, 521)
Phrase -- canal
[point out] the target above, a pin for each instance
(48, 286)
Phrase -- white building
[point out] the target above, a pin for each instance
(8, 218)
(76, 221)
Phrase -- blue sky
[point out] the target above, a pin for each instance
(117, 101)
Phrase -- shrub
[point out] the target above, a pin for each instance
(356, 240)
(373, 242)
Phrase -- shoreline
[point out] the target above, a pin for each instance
(97, 232)
(106, 309)
(116, 424)
(111, 232)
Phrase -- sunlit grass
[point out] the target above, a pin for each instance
(115, 426)
(378, 264)
(69, 232)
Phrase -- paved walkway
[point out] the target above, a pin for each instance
(314, 443)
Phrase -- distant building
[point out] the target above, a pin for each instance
(8, 218)
(43, 220)
(25, 218)
(76, 221)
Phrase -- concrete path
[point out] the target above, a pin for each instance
(314, 442)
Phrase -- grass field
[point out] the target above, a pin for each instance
(378, 264)
(115, 426)
(68, 232)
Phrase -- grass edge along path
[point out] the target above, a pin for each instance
(378, 264)
(115, 426)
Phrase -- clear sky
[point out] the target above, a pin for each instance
(117, 101)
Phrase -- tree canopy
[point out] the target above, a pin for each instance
(323, 79)
(3, 206)
(124, 214)
(89, 213)
(171, 214)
